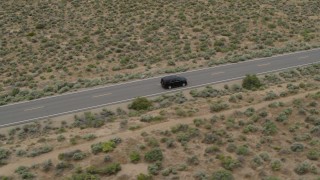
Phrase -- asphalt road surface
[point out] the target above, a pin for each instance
(97, 97)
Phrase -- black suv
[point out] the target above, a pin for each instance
(169, 82)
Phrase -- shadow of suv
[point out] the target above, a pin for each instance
(169, 82)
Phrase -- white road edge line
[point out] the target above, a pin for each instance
(30, 109)
(100, 87)
(117, 102)
(303, 57)
(107, 94)
(217, 73)
(266, 64)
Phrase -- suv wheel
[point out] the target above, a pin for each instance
(183, 84)
(169, 87)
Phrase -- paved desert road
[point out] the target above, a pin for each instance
(98, 97)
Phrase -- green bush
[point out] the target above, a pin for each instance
(270, 96)
(108, 146)
(276, 165)
(302, 168)
(4, 154)
(111, 169)
(229, 163)
(251, 82)
(269, 128)
(135, 157)
(40, 150)
(140, 103)
(89, 137)
(193, 160)
(105, 146)
(154, 155)
(231, 147)
(61, 138)
(70, 155)
(24, 172)
(155, 168)
(83, 176)
(88, 120)
(313, 154)
(212, 149)
(142, 176)
(297, 147)
(218, 106)
(242, 150)
(222, 175)
(46, 165)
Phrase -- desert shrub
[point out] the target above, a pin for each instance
(140, 103)
(170, 143)
(149, 118)
(193, 160)
(108, 146)
(316, 77)
(4, 154)
(105, 146)
(276, 104)
(222, 175)
(83, 176)
(208, 91)
(313, 119)
(200, 175)
(313, 154)
(270, 96)
(154, 155)
(256, 161)
(5, 177)
(21, 152)
(61, 138)
(210, 138)
(46, 165)
(250, 128)
(231, 147)
(155, 168)
(271, 79)
(135, 157)
(212, 149)
(63, 165)
(251, 82)
(89, 120)
(89, 137)
(276, 165)
(167, 171)
(269, 128)
(271, 178)
(110, 169)
(78, 156)
(70, 155)
(198, 121)
(218, 106)
(40, 150)
(229, 163)
(282, 117)
(152, 142)
(315, 131)
(142, 176)
(302, 137)
(264, 156)
(24, 172)
(302, 168)
(297, 147)
(249, 111)
(242, 150)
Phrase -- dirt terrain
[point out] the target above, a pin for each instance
(271, 133)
